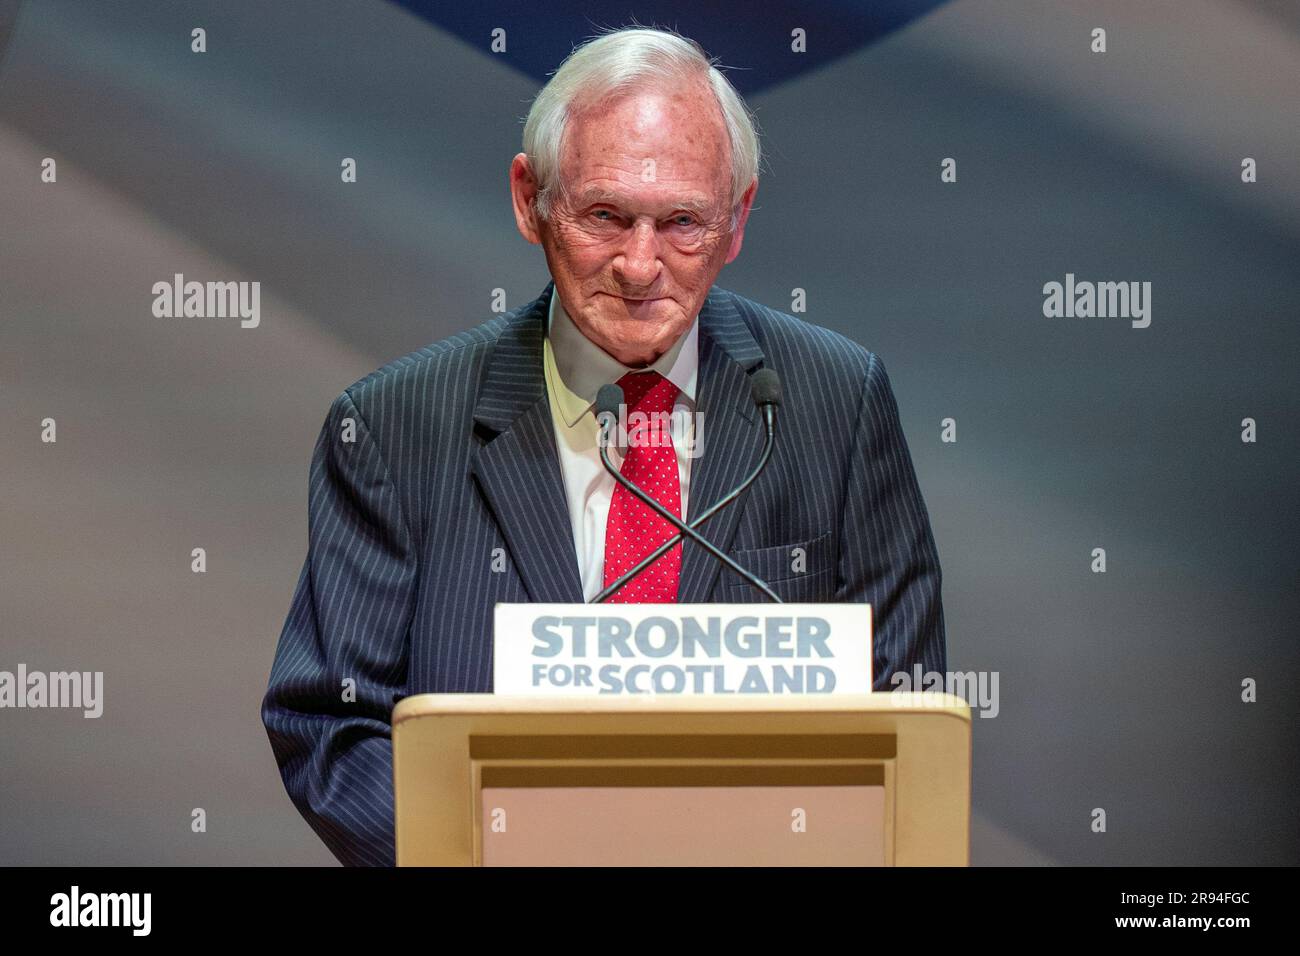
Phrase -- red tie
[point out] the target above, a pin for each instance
(633, 531)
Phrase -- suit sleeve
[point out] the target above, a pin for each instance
(887, 553)
(348, 627)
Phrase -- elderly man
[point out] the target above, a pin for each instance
(467, 473)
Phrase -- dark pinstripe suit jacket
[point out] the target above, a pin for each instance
(453, 457)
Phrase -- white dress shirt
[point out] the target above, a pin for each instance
(576, 368)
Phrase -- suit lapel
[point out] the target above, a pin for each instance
(518, 466)
(731, 436)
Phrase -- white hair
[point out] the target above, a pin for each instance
(618, 62)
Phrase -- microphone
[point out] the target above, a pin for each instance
(765, 389)
(608, 399)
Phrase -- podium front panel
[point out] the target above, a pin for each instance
(878, 779)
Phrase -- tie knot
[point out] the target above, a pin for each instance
(647, 392)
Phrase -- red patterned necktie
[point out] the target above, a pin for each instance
(633, 531)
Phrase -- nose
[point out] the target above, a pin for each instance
(638, 265)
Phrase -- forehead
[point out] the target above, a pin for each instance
(651, 143)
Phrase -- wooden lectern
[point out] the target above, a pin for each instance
(859, 780)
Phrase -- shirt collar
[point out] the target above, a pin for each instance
(577, 367)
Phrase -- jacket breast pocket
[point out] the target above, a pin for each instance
(799, 572)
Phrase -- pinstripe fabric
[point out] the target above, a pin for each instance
(453, 468)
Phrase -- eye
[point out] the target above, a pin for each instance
(602, 215)
(683, 219)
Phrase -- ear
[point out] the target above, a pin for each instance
(738, 234)
(523, 194)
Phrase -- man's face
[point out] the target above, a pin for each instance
(642, 225)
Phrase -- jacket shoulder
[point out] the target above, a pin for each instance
(795, 344)
(457, 355)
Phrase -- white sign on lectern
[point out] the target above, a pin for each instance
(681, 649)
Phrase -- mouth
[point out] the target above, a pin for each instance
(628, 298)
